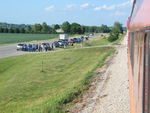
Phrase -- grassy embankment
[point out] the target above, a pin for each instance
(9, 38)
(25, 88)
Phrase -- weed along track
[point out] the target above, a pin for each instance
(89, 100)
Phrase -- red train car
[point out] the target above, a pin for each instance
(139, 56)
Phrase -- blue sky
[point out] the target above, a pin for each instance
(86, 12)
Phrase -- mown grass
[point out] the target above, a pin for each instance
(98, 41)
(25, 88)
(9, 38)
(103, 41)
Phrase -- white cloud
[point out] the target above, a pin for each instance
(124, 4)
(112, 7)
(85, 5)
(105, 7)
(118, 13)
(69, 7)
(132, 1)
(49, 8)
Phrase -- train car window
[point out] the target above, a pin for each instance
(138, 68)
(132, 49)
(146, 93)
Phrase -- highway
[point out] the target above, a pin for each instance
(10, 50)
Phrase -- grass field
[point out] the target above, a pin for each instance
(98, 41)
(102, 41)
(25, 88)
(8, 38)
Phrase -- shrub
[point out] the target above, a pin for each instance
(113, 37)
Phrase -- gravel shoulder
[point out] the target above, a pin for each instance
(109, 91)
(116, 90)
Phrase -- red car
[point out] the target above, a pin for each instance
(71, 42)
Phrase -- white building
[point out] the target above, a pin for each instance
(59, 31)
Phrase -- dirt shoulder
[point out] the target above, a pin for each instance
(109, 91)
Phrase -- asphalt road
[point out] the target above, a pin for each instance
(10, 50)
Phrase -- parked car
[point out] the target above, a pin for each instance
(46, 46)
(25, 47)
(61, 43)
(30, 47)
(66, 41)
(79, 40)
(20, 47)
(76, 40)
(56, 44)
(71, 42)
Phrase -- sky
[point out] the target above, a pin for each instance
(85, 12)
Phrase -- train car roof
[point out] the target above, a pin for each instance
(140, 15)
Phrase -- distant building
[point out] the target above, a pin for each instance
(59, 31)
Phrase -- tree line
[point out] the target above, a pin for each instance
(76, 28)
(22, 28)
(66, 27)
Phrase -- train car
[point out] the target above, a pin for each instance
(139, 56)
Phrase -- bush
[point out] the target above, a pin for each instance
(113, 37)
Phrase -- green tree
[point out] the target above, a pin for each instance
(37, 28)
(83, 29)
(11, 30)
(113, 37)
(5, 30)
(1, 30)
(29, 29)
(76, 28)
(66, 27)
(53, 31)
(56, 26)
(22, 30)
(92, 29)
(44, 27)
(104, 29)
(16, 30)
(118, 27)
(86, 28)
(50, 29)
(116, 30)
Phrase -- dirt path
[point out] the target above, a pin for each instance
(109, 92)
